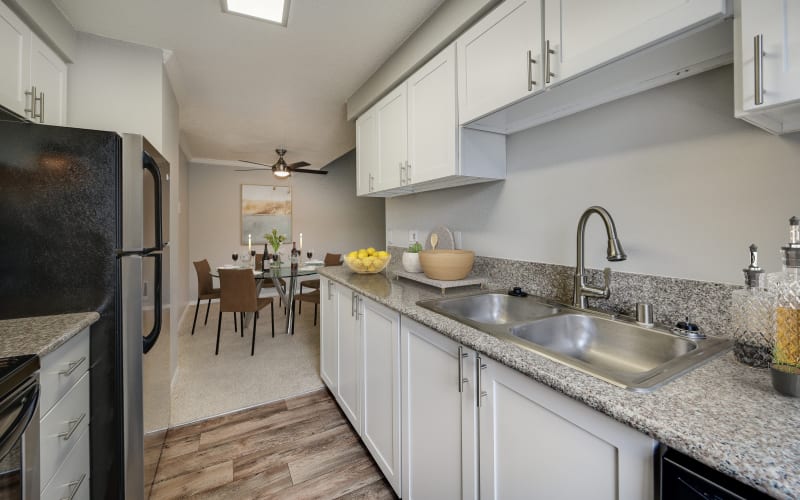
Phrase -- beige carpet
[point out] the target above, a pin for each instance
(208, 385)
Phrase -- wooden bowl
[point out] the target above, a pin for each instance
(446, 265)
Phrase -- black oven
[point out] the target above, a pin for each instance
(19, 428)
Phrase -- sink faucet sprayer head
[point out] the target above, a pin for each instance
(615, 251)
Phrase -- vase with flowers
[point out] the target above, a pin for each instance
(275, 240)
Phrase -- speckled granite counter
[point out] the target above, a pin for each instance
(41, 334)
(723, 414)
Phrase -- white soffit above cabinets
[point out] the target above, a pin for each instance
(244, 86)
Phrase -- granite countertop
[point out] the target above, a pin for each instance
(41, 334)
(724, 414)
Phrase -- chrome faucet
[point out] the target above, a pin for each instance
(614, 253)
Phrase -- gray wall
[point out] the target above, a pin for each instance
(690, 187)
(324, 208)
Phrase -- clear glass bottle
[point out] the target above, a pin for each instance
(787, 312)
(753, 317)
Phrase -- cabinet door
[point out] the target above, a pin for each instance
(15, 40)
(49, 76)
(432, 120)
(329, 334)
(439, 416)
(778, 24)
(580, 43)
(536, 443)
(380, 424)
(494, 69)
(366, 152)
(392, 117)
(349, 380)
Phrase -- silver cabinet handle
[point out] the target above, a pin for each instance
(461, 378)
(73, 426)
(359, 307)
(758, 68)
(353, 304)
(402, 173)
(371, 178)
(74, 486)
(548, 51)
(32, 94)
(481, 393)
(73, 365)
(408, 173)
(330, 290)
(41, 107)
(530, 61)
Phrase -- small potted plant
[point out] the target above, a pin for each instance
(275, 240)
(411, 258)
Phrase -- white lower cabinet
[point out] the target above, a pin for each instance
(440, 426)
(445, 422)
(72, 478)
(536, 443)
(360, 363)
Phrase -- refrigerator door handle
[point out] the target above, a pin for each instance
(150, 165)
(150, 339)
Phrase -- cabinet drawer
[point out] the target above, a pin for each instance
(62, 368)
(62, 427)
(72, 478)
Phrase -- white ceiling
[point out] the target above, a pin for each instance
(246, 87)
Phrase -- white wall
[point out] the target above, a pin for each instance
(171, 150)
(324, 208)
(117, 86)
(690, 187)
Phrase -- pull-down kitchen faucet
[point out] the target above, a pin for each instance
(614, 253)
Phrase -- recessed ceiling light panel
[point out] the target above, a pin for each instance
(274, 11)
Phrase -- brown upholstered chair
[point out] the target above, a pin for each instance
(309, 297)
(205, 290)
(331, 259)
(238, 295)
(269, 283)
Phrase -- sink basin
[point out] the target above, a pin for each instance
(492, 308)
(618, 351)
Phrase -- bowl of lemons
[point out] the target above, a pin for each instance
(367, 260)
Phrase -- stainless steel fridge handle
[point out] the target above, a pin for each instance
(150, 165)
(150, 339)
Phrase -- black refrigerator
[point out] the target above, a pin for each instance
(83, 215)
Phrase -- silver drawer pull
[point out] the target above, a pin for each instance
(72, 367)
(73, 426)
(74, 486)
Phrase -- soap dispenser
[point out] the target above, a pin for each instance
(753, 317)
(785, 368)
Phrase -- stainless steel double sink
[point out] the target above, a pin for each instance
(614, 349)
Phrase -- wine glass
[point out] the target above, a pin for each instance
(235, 257)
(309, 253)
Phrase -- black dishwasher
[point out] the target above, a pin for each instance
(683, 478)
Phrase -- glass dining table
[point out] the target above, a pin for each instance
(290, 275)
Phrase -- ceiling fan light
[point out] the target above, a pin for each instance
(281, 174)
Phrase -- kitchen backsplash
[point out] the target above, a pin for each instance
(706, 304)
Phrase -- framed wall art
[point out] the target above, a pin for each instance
(265, 208)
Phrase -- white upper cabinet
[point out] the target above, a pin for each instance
(15, 47)
(585, 34)
(499, 58)
(366, 153)
(33, 79)
(432, 119)
(392, 118)
(591, 53)
(768, 84)
(49, 75)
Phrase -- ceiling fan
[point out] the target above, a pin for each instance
(280, 168)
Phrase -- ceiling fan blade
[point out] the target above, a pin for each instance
(298, 164)
(304, 171)
(256, 163)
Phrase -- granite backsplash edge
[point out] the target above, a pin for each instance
(705, 303)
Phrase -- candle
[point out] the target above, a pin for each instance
(301, 241)
(249, 242)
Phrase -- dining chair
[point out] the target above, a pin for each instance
(269, 283)
(309, 297)
(238, 295)
(205, 290)
(331, 259)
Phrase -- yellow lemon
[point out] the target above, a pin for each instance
(382, 254)
(352, 255)
(370, 251)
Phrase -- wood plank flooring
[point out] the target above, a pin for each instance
(301, 447)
